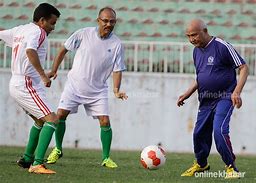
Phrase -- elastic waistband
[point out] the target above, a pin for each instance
(16, 77)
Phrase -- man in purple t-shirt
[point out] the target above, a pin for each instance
(218, 92)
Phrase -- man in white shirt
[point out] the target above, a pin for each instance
(29, 49)
(99, 52)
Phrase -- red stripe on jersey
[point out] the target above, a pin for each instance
(36, 97)
(42, 37)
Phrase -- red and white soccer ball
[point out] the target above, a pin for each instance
(152, 157)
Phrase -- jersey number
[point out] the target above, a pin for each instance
(15, 51)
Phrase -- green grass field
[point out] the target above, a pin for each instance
(84, 166)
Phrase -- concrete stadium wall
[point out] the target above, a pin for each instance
(149, 116)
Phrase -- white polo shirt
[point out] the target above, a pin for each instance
(94, 61)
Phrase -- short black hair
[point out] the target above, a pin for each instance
(107, 8)
(45, 10)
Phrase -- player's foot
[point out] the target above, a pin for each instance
(54, 156)
(40, 169)
(193, 169)
(231, 173)
(109, 163)
(24, 164)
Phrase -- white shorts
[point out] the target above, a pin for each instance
(93, 107)
(30, 96)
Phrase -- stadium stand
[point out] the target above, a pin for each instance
(145, 21)
(158, 18)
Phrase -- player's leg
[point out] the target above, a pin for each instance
(45, 137)
(39, 139)
(28, 158)
(60, 131)
(106, 139)
(223, 113)
(105, 135)
(31, 97)
(98, 108)
(44, 140)
(69, 103)
(36, 104)
(202, 138)
(222, 116)
(59, 135)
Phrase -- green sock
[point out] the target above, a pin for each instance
(32, 142)
(106, 138)
(59, 133)
(44, 141)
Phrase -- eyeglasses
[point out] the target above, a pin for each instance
(106, 21)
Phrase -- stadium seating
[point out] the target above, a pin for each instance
(156, 21)
(147, 20)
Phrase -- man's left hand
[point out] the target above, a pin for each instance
(236, 100)
(121, 95)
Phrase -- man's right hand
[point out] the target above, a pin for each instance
(46, 80)
(181, 100)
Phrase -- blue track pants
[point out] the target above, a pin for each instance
(213, 119)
